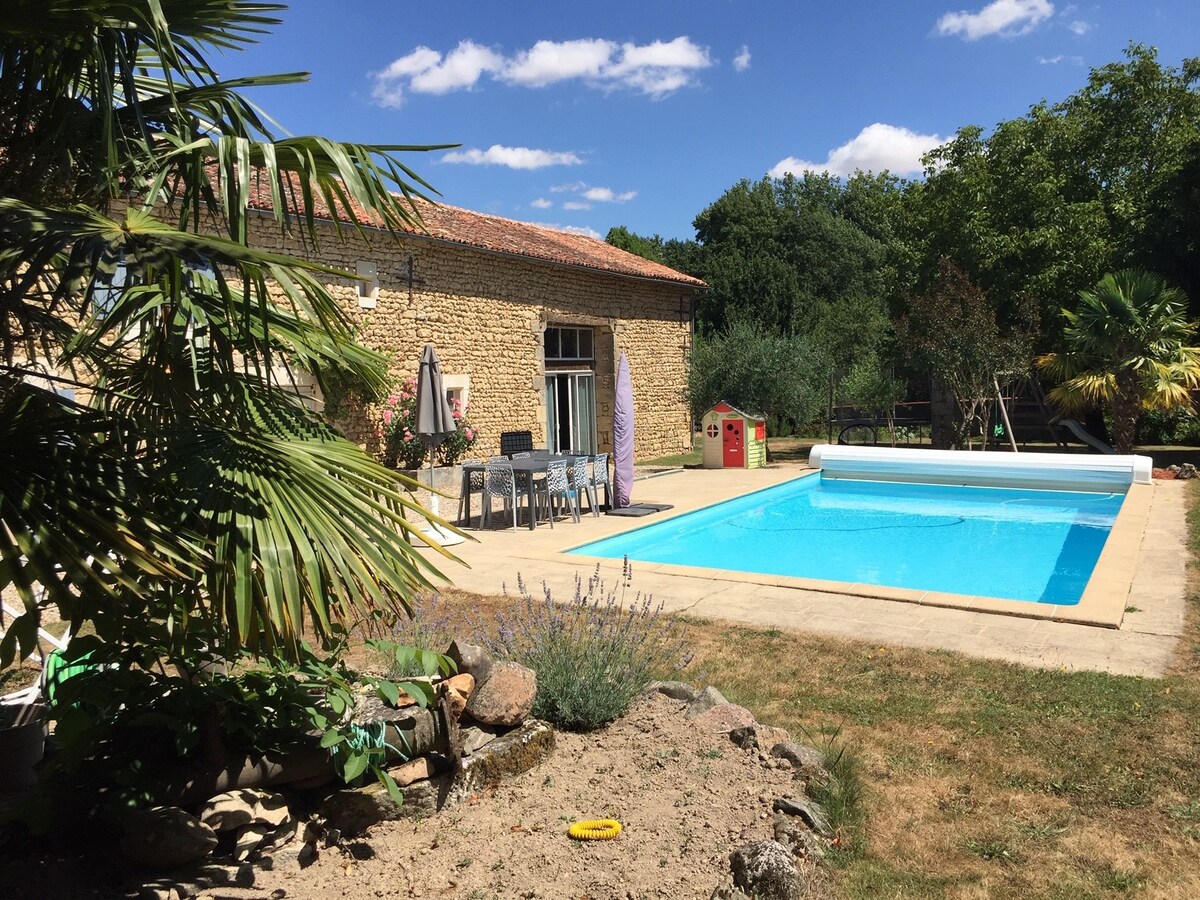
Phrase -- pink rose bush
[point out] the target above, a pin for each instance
(403, 448)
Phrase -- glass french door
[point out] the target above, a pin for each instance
(571, 412)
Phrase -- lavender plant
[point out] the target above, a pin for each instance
(594, 654)
(428, 628)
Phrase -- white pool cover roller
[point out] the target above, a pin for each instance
(1047, 471)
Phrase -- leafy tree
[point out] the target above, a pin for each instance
(952, 331)
(806, 256)
(682, 256)
(1127, 346)
(192, 494)
(1048, 202)
(869, 385)
(650, 248)
(757, 371)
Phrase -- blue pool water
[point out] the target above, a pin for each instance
(1038, 546)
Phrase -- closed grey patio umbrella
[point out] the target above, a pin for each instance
(435, 422)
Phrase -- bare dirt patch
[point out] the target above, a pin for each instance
(685, 797)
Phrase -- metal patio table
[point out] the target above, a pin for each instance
(526, 467)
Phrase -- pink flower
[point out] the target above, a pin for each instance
(407, 435)
(470, 434)
(393, 400)
(387, 417)
(457, 414)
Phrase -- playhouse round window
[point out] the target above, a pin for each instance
(713, 430)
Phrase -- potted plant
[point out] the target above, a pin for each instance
(22, 743)
(405, 450)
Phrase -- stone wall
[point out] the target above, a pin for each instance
(486, 313)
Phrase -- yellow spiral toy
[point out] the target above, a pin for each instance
(595, 830)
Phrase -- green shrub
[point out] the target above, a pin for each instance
(593, 655)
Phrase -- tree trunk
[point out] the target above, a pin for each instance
(1126, 406)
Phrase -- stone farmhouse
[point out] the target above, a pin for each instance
(529, 323)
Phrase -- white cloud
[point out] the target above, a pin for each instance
(608, 195)
(1080, 27)
(388, 90)
(541, 203)
(572, 187)
(513, 157)
(1055, 60)
(461, 68)
(657, 69)
(1003, 17)
(549, 61)
(741, 62)
(875, 148)
(576, 204)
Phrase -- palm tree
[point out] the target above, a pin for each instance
(191, 488)
(1126, 346)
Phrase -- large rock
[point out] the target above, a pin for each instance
(766, 870)
(505, 696)
(794, 833)
(471, 659)
(413, 732)
(475, 737)
(676, 690)
(759, 737)
(354, 810)
(166, 837)
(247, 806)
(810, 811)
(727, 890)
(413, 770)
(808, 762)
(511, 754)
(457, 691)
(704, 701)
(723, 718)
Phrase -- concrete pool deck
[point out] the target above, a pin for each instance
(1149, 606)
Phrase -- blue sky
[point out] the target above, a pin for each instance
(586, 115)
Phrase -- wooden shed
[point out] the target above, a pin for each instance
(733, 439)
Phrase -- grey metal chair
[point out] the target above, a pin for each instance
(556, 489)
(499, 480)
(600, 479)
(581, 484)
(472, 483)
(524, 454)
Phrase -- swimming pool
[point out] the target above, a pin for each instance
(1036, 546)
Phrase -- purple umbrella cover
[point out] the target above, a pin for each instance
(623, 436)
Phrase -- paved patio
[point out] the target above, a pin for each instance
(1143, 645)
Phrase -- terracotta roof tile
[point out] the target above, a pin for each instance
(500, 235)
